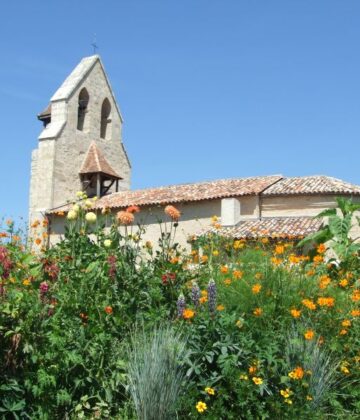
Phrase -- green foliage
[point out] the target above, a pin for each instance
(69, 347)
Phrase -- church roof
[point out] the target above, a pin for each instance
(189, 192)
(273, 185)
(317, 184)
(95, 162)
(272, 227)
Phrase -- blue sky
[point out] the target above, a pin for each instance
(208, 89)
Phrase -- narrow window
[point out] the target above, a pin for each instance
(105, 128)
(82, 108)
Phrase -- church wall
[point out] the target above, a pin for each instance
(285, 206)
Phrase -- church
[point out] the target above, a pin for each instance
(80, 148)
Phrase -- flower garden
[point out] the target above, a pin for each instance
(111, 326)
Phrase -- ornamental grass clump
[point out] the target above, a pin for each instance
(155, 372)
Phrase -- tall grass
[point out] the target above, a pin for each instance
(155, 372)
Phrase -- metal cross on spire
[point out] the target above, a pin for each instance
(94, 44)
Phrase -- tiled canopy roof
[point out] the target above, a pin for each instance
(95, 162)
(46, 112)
(189, 192)
(318, 184)
(273, 227)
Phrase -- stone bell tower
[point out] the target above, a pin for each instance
(80, 146)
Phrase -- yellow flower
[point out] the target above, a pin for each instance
(279, 249)
(286, 392)
(265, 240)
(346, 323)
(288, 401)
(309, 397)
(257, 381)
(244, 377)
(345, 370)
(214, 219)
(343, 282)
(256, 288)
(227, 282)
(201, 406)
(239, 323)
(188, 313)
(309, 334)
(220, 307)
(26, 282)
(238, 244)
(257, 311)
(252, 370)
(215, 253)
(210, 391)
(295, 313)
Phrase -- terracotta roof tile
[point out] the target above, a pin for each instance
(188, 192)
(272, 227)
(318, 184)
(95, 162)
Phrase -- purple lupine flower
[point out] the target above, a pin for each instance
(212, 296)
(180, 305)
(195, 293)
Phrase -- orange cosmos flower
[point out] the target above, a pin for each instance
(172, 212)
(321, 249)
(355, 312)
(296, 373)
(276, 261)
(237, 274)
(309, 334)
(224, 269)
(279, 249)
(324, 282)
(318, 259)
(227, 282)
(309, 304)
(265, 241)
(326, 301)
(188, 313)
(343, 332)
(37, 241)
(295, 313)
(257, 311)
(108, 310)
(203, 299)
(125, 217)
(346, 323)
(355, 297)
(256, 288)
